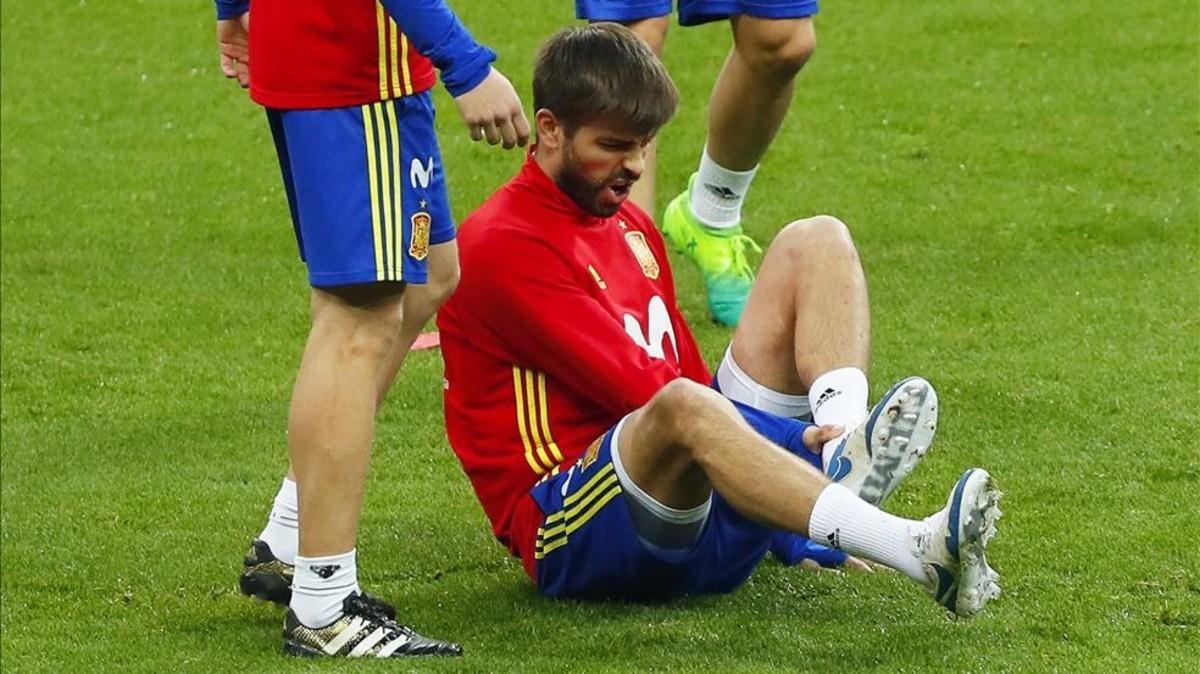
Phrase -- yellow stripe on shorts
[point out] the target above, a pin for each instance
(373, 179)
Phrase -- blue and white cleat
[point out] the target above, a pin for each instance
(875, 457)
(952, 546)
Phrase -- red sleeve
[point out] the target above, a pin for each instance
(547, 321)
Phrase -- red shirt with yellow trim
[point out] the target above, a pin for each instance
(308, 54)
(562, 323)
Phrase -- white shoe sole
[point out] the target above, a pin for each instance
(899, 432)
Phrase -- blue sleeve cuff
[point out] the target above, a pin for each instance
(231, 9)
(791, 549)
(468, 73)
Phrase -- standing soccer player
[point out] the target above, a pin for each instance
(346, 87)
(772, 40)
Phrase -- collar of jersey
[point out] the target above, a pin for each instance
(551, 196)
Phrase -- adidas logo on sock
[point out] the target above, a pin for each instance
(326, 571)
(826, 395)
(835, 539)
(721, 192)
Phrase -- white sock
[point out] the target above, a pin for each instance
(838, 397)
(282, 532)
(718, 193)
(320, 585)
(844, 521)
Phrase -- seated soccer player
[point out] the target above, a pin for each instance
(604, 453)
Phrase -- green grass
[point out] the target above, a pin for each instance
(1021, 179)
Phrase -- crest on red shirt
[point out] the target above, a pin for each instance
(641, 250)
(418, 247)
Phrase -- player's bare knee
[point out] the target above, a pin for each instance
(677, 405)
(821, 237)
(779, 48)
(683, 407)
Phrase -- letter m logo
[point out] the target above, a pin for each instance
(658, 328)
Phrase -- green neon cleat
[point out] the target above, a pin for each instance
(720, 254)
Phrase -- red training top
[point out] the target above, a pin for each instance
(562, 323)
(352, 53)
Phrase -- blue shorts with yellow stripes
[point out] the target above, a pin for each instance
(692, 12)
(587, 547)
(366, 189)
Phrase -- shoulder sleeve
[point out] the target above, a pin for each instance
(525, 292)
(439, 36)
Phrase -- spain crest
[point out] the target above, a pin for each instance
(641, 250)
(418, 248)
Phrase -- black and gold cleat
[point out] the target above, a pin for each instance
(264, 576)
(363, 631)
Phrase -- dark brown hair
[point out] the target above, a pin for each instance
(603, 71)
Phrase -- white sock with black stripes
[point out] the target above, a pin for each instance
(282, 532)
(718, 193)
(320, 586)
(838, 397)
(842, 520)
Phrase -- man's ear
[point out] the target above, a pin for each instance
(550, 135)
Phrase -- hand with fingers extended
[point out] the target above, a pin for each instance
(233, 44)
(492, 111)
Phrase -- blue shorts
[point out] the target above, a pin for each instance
(366, 189)
(692, 12)
(587, 547)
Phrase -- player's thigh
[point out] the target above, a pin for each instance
(694, 12)
(366, 188)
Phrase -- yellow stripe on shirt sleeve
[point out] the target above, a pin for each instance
(519, 396)
(381, 22)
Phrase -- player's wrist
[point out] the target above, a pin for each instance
(470, 74)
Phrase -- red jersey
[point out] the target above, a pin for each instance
(562, 323)
(331, 54)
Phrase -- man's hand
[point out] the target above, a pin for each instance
(492, 110)
(815, 437)
(233, 43)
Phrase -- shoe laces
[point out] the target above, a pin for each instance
(739, 265)
(364, 604)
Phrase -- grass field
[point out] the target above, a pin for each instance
(1022, 182)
